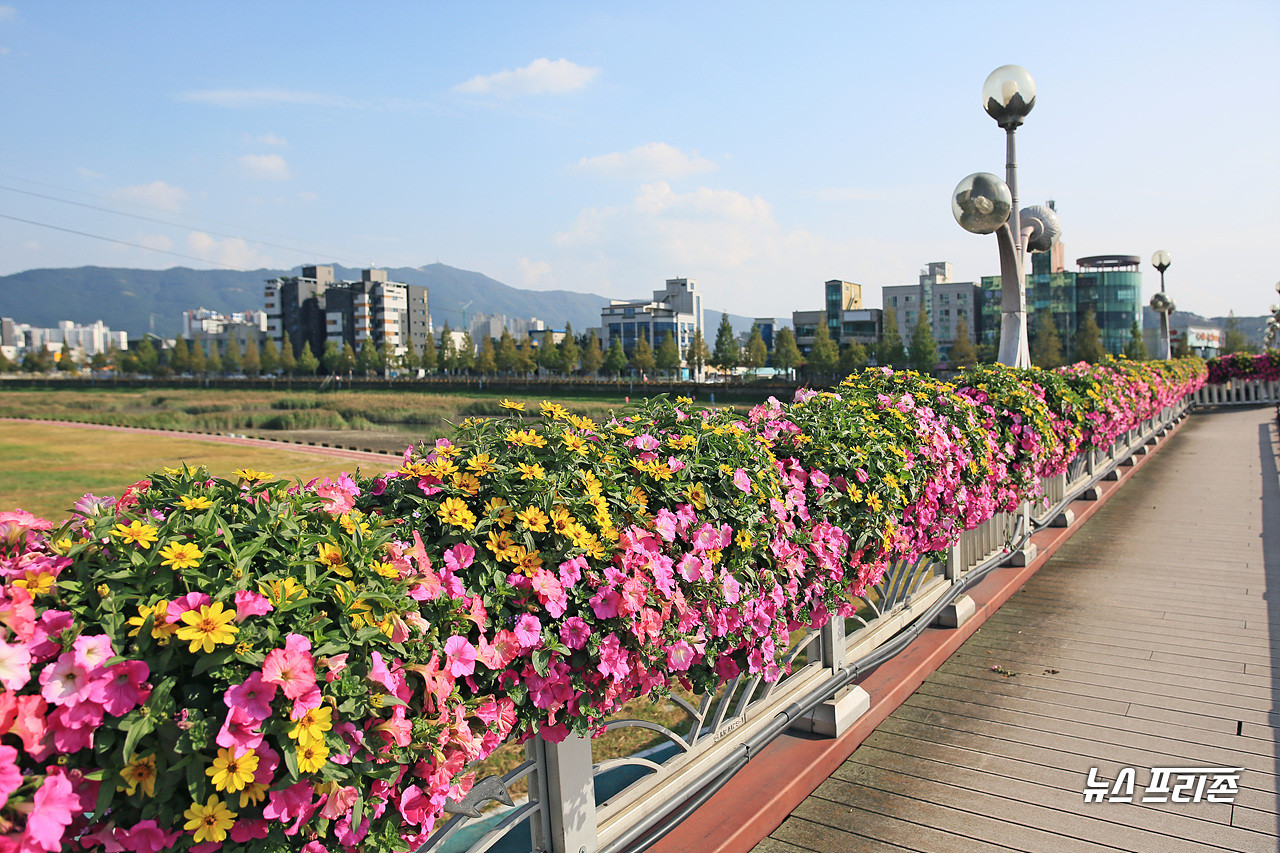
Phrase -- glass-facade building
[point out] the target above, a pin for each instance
(1109, 284)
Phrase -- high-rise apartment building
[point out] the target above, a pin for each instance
(315, 309)
(944, 303)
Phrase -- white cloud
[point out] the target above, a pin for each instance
(7, 12)
(646, 162)
(156, 194)
(88, 174)
(271, 167)
(533, 273)
(308, 197)
(703, 231)
(236, 98)
(540, 77)
(159, 242)
(231, 252)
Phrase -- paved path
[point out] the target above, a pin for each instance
(1149, 640)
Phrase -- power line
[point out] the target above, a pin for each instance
(157, 221)
(323, 251)
(114, 240)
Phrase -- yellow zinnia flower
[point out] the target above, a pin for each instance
(142, 535)
(533, 519)
(553, 410)
(499, 509)
(140, 771)
(512, 405)
(312, 755)
(250, 475)
(197, 502)
(481, 463)
(231, 772)
(36, 583)
(525, 438)
(210, 821)
(181, 555)
(207, 627)
(312, 725)
(455, 512)
(531, 472)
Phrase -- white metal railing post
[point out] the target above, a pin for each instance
(567, 791)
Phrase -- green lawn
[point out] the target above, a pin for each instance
(46, 469)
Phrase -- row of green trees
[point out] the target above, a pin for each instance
(583, 355)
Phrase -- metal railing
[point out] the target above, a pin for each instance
(621, 805)
(1239, 392)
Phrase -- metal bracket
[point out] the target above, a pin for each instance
(487, 789)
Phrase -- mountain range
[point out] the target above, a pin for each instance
(140, 301)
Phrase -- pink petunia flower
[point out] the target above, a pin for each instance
(190, 601)
(574, 632)
(125, 687)
(460, 656)
(251, 604)
(55, 803)
(528, 631)
(10, 773)
(253, 696)
(15, 666)
(293, 670)
(147, 837)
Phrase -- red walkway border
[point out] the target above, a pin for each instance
(765, 792)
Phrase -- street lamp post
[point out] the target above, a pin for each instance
(1272, 337)
(983, 204)
(1161, 303)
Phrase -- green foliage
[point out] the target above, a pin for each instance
(1088, 343)
(667, 356)
(232, 361)
(308, 364)
(824, 355)
(507, 354)
(548, 355)
(1233, 337)
(696, 355)
(592, 356)
(726, 354)
(1136, 348)
(252, 361)
(570, 352)
(642, 356)
(889, 349)
(756, 353)
(288, 358)
(485, 362)
(615, 360)
(269, 361)
(180, 356)
(786, 355)
(924, 350)
(1046, 345)
(963, 352)
(853, 357)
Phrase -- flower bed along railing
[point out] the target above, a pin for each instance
(244, 665)
(1241, 379)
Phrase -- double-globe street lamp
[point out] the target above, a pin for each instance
(1161, 303)
(984, 204)
(1272, 337)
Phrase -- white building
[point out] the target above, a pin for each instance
(84, 340)
(676, 310)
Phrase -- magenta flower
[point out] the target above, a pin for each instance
(147, 837)
(742, 481)
(528, 631)
(459, 557)
(574, 632)
(125, 687)
(251, 604)
(664, 524)
(190, 601)
(67, 683)
(54, 804)
(10, 773)
(253, 696)
(460, 656)
(288, 804)
(239, 731)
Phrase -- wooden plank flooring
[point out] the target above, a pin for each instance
(1151, 639)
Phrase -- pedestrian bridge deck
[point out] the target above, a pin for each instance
(1150, 639)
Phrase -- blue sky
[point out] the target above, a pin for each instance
(761, 148)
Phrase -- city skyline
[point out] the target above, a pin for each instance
(752, 147)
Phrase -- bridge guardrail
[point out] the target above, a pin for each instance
(575, 803)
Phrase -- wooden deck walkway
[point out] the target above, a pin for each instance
(1151, 639)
